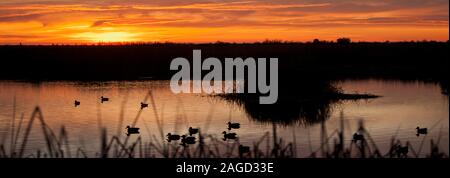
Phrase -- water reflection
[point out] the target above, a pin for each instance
(287, 110)
(403, 107)
(305, 103)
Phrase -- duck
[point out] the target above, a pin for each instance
(421, 131)
(173, 137)
(193, 131)
(357, 137)
(187, 140)
(77, 103)
(402, 150)
(103, 99)
(234, 125)
(143, 105)
(229, 135)
(243, 150)
(132, 130)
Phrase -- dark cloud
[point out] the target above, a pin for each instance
(18, 36)
(20, 18)
(98, 23)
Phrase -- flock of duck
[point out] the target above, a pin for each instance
(130, 129)
(105, 99)
(419, 131)
(400, 150)
(188, 139)
(191, 139)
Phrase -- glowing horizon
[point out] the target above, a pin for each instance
(76, 21)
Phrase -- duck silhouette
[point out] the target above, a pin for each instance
(357, 137)
(234, 125)
(230, 136)
(143, 105)
(421, 131)
(185, 140)
(172, 137)
(402, 151)
(243, 150)
(193, 131)
(103, 99)
(77, 103)
(132, 130)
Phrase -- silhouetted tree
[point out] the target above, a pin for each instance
(316, 41)
(344, 41)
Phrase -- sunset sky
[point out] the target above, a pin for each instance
(79, 21)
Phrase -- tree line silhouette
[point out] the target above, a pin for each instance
(427, 60)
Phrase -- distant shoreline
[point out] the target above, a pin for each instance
(409, 60)
(267, 41)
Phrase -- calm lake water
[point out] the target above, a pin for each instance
(402, 107)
